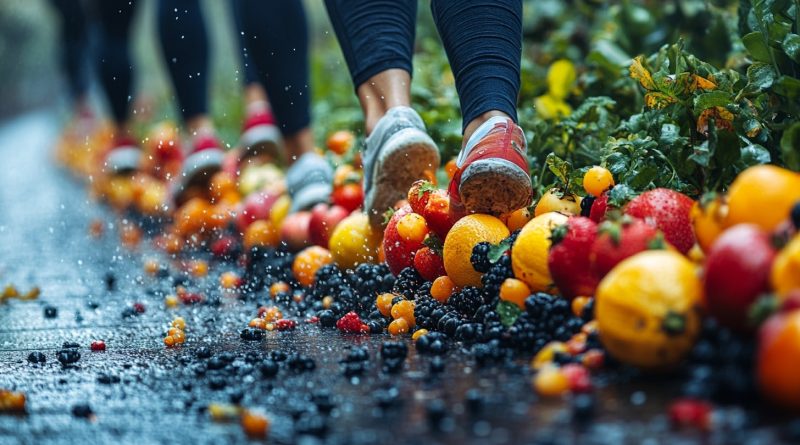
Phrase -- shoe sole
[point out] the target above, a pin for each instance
(198, 169)
(261, 140)
(510, 187)
(404, 159)
(123, 160)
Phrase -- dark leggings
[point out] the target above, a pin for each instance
(75, 45)
(184, 42)
(274, 41)
(482, 38)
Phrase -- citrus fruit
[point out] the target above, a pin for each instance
(261, 233)
(462, 237)
(785, 276)
(530, 252)
(707, 220)
(518, 218)
(556, 201)
(647, 309)
(340, 141)
(354, 241)
(762, 195)
(779, 358)
(307, 262)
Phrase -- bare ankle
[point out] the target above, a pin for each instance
(385, 90)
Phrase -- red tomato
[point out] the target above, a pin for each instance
(349, 196)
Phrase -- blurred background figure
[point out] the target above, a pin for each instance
(274, 43)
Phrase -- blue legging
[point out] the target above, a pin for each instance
(75, 46)
(274, 42)
(184, 43)
(482, 38)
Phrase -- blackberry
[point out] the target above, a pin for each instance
(68, 356)
(586, 205)
(469, 332)
(480, 257)
(588, 310)
(367, 281)
(432, 343)
(489, 353)
(251, 334)
(796, 215)
(423, 312)
(493, 279)
(407, 282)
(424, 290)
(449, 323)
(467, 301)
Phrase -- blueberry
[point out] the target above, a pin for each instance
(37, 357)
(251, 334)
(82, 410)
(50, 312)
(327, 319)
(203, 352)
(269, 368)
(68, 356)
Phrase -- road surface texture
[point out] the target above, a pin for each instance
(142, 392)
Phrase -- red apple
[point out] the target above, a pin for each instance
(294, 230)
(737, 273)
(324, 219)
(256, 206)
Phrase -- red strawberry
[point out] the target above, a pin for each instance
(569, 259)
(691, 412)
(599, 208)
(670, 212)
(619, 240)
(437, 213)
(429, 264)
(418, 195)
(737, 272)
(580, 381)
(398, 251)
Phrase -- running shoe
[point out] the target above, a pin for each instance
(309, 181)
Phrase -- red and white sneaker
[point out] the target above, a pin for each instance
(260, 135)
(492, 175)
(124, 157)
(200, 164)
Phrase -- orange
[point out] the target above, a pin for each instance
(341, 141)
(222, 183)
(261, 233)
(442, 288)
(412, 227)
(552, 201)
(530, 251)
(597, 180)
(514, 291)
(255, 426)
(785, 276)
(779, 359)
(450, 168)
(647, 309)
(191, 217)
(518, 218)
(462, 238)
(307, 263)
(354, 241)
(762, 195)
(707, 221)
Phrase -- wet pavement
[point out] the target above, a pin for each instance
(142, 392)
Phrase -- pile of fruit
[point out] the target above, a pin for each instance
(664, 241)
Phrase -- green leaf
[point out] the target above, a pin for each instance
(712, 99)
(643, 177)
(671, 136)
(756, 46)
(496, 251)
(788, 87)
(791, 46)
(727, 151)
(508, 312)
(760, 75)
(702, 154)
(559, 167)
(790, 146)
(754, 154)
(620, 194)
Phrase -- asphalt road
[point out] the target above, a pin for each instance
(141, 392)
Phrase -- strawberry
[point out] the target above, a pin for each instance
(617, 240)
(569, 260)
(691, 412)
(418, 195)
(429, 264)
(398, 251)
(437, 213)
(669, 211)
(599, 208)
